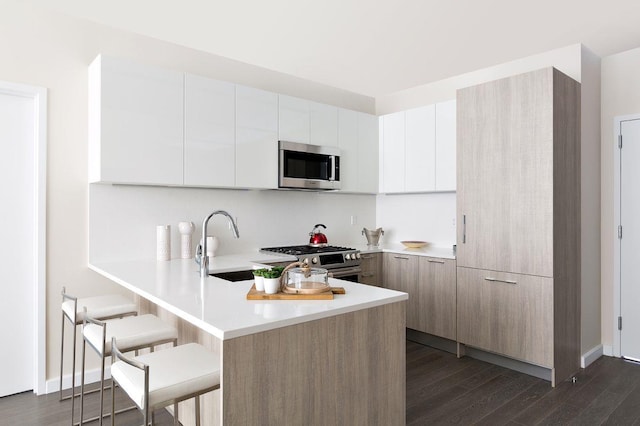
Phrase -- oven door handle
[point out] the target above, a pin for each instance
(343, 272)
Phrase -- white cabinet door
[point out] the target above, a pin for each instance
(209, 146)
(349, 153)
(256, 138)
(420, 149)
(368, 153)
(393, 128)
(323, 125)
(294, 119)
(137, 122)
(446, 146)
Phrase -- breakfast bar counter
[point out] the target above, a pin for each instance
(339, 361)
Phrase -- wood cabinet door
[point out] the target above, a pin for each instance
(508, 314)
(400, 273)
(505, 174)
(371, 264)
(437, 297)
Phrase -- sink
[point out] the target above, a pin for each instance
(234, 276)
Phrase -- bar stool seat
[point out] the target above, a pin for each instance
(172, 375)
(133, 333)
(73, 310)
(99, 307)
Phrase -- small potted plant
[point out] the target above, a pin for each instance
(272, 279)
(258, 276)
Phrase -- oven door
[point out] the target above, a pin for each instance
(348, 274)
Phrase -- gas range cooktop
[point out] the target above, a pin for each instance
(306, 249)
(329, 257)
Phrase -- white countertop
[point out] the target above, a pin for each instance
(430, 251)
(219, 307)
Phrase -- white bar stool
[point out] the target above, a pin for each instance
(165, 377)
(133, 333)
(101, 307)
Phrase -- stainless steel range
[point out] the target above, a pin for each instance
(342, 262)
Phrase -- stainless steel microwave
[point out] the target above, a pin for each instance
(308, 166)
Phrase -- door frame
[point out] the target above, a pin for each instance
(617, 290)
(39, 96)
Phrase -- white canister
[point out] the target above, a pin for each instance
(212, 246)
(186, 230)
(163, 242)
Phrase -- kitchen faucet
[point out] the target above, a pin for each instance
(204, 259)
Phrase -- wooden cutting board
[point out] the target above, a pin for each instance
(261, 295)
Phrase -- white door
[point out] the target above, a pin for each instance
(17, 251)
(630, 241)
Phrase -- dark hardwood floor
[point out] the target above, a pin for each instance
(441, 389)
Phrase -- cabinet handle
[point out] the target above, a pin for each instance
(464, 229)
(501, 281)
(367, 256)
(367, 275)
(435, 261)
(401, 257)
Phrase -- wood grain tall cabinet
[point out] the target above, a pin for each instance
(518, 215)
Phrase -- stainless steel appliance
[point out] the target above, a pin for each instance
(341, 262)
(308, 166)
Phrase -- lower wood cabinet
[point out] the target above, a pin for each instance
(400, 273)
(431, 284)
(437, 297)
(371, 264)
(508, 314)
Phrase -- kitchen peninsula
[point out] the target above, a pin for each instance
(338, 361)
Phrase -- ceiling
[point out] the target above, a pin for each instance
(371, 47)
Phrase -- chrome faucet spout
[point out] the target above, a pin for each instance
(204, 259)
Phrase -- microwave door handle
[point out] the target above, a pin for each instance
(332, 168)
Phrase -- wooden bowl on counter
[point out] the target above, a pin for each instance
(414, 244)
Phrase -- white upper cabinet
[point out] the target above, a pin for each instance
(323, 128)
(209, 144)
(256, 138)
(420, 149)
(393, 135)
(348, 143)
(368, 153)
(446, 146)
(136, 123)
(294, 119)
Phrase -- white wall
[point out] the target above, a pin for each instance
(123, 218)
(53, 51)
(423, 217)
(620, 96)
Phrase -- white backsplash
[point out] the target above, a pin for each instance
(426, 217)
(123, 219)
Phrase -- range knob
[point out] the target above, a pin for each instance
(358, 255)
(347, 256)
(306, 261)
(314, 260)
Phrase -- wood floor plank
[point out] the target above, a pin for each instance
(628, 411)
(506, 413)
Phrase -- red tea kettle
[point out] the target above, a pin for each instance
(318, 239)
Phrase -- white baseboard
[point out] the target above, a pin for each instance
(90, 376)
(590, 356)
(607, 350)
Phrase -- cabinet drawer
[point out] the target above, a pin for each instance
(508, 314)
(437, 297)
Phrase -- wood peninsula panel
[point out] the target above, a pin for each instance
(347, 369)
(210, 403)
